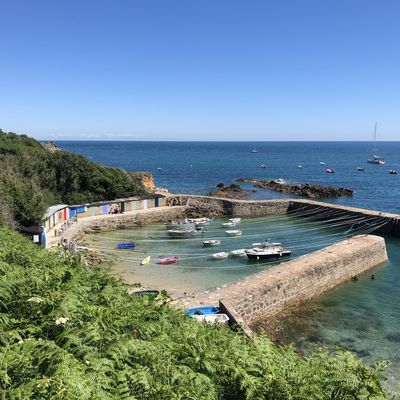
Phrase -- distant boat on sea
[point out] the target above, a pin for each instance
(254, 151)
(376, 159)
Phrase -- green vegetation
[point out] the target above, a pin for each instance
(32, 178)
(70, 331)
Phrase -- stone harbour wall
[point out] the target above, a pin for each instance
(267, 293)
(213, 206)
(122, 221)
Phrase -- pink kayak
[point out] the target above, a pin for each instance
(168, 260)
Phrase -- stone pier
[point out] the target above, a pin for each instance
(267, 293)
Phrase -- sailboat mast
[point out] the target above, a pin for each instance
(376, 123)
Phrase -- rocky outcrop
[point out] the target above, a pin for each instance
(308, 190)
(51, 146)
(144, 180)
(229, 192)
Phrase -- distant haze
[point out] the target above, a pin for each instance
(200, 70)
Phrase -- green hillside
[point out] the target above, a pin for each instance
(69, 331)
(32, 178)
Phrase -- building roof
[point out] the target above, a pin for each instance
(53, 209)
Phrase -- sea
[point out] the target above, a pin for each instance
(363, 316)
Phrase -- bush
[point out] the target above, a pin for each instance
(69, 331)
(33, 178)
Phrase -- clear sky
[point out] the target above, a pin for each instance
(200, 69)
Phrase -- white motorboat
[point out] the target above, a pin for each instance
(233, 232)
(300, 166)
(238, 253)
(185, 233)
(235, 220)
(228, 224)
(267, 250)
(220, 256)
(322, 163)
(180, 225)
(263, 166)
(210, 243)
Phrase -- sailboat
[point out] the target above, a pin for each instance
(376, 159)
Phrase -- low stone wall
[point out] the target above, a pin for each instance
(122, 221)
(205, 205)
(213, 206)
(267, 293)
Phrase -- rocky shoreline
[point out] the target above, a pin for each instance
(307, 190)
(229, 192)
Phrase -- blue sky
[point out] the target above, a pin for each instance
(201, 70)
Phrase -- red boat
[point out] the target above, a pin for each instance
(168, 260)
(330, 170)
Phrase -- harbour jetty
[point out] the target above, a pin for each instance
(266, 294)
(308, 190)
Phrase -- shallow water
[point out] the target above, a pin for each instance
(196, 271)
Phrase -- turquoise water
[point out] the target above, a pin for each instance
(196, 270)
(363, 316)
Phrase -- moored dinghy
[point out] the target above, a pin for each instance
(233, 232)
(168, 260)
(212, 242)
(235, 220)
(146, 260)
(238, 253)
(186, 233)
(228, 224)
(128, 245)
(220, 256)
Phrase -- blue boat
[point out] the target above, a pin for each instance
(191, 312)
(128, 245)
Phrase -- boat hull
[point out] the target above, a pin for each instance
(184, 233)
(268, 256)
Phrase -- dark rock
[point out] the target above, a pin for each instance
(393, 337)
(304, 189)
(230, 192)
(315, 339)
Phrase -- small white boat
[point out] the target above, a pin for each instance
(280, 181)
(263, 166)
(212, 318)
(233, 232)
(220, 256)
(210, 243)
(300, 166)
(235, 220)
(145, 261)
(198, 220)
(322, 163)
(254, 151)
(238, 253)
(230, 224)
